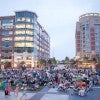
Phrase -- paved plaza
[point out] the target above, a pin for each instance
(13, 97)
(53, 94)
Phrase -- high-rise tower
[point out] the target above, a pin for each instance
(88, 36)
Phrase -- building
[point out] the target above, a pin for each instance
(23, 39)
(88, 36)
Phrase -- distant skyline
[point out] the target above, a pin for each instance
(58, 17)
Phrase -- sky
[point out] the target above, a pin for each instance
(58, 17)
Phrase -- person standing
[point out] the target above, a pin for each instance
(6, 92)
(9, 88)
(16, 90)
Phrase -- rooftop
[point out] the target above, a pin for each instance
(90, 14)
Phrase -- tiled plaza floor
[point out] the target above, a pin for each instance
(55, 97)
(13, 97)
(50, 94)
(53, 94)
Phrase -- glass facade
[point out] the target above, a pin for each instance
(23, 38)
(24, 31)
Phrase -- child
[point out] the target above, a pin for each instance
(9, 88)
(16, 90)
(6, 92)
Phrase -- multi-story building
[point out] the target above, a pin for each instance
(88, 36)
(23, 39)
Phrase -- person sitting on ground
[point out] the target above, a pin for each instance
(81, 92)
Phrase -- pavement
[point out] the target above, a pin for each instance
(91, 95)
(53, 94)
(14, 97)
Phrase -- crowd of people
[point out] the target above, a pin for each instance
(81, 80)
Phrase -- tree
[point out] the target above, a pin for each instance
(66, 59)
(72, 61)
(85, 60)
(53, 60)
(42, 62)
(22, 62)
(94, 60)
(49, 62)
(62, 61)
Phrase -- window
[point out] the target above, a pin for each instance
(19, 57)
(19, 49)
(7, 27)
(97, 48)
(29, 58)
(20, 32)
(7, 51)
(27, 19)
(18, 19)
(22, 19)
(7, 39)
(83, 28)
(29, 26)
(20, 44)
(29, 44)
(7, 22)
(19, 38)
(29, 32)
(87, 27)
(7, 44)
(29, 38)
(6, 33)
(20, 26)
